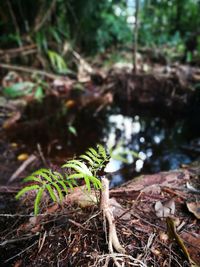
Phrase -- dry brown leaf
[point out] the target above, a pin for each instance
(12, 120)
(165, 209)
(118, 210)
(194, 207)
(22, 157)
(81, 197)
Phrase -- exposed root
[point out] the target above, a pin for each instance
(113, 241)
(119, 260)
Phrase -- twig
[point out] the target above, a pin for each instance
(30, 70)
(21, 252)
(39, 148)
(41, 243)
(46, 16)
(76, 224)
(14, 20)
(4, 243)
(22, 167)
(18, 50)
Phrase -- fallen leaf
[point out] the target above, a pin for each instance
(70, 103)
(118, 210)
(194, 207)
(81, 197)
(165, 209)
(23, 157)
(12, 120)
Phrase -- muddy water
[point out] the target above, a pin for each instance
(159, 142)
(148, 142)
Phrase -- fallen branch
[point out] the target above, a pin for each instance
(30, 70)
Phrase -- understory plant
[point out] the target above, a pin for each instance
(56, 184)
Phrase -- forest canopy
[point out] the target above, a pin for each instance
(93, 26)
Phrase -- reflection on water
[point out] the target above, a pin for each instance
(156, 141)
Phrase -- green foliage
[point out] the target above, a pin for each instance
(18, 89)
(72, 130)
(57, 62)
(120, 154)
(86, 167)
(89, 25)
(169, 22)
(24, 88)
(46, 180)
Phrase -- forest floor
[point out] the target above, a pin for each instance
(156, 216)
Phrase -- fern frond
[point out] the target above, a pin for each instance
(58, 190)
(102, 151)
(87, 182)
(80, 167)
(85, 167)
(51, 193)
(71, 184)
(76, 176)
(93, 151)
(59, 175)
(88, 159)
(26, 189)
(93, 157)
(96, 182)
(63, 186)
(44, 173)
(32, 178)
(38, 199)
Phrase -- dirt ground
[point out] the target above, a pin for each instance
(156, 216)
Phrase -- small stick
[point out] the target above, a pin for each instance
(22, 167)
(30, 70)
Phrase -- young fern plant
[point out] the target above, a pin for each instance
(86, 167)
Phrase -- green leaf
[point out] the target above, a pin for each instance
(82, 165)
(58, 190)
(37, 200)
(51, 193)
(76, 176)
(72, 130)
(45, 173)
(39, 93)
(57, 62)
(18, 89)
(32, 178)
(87, 158)
(94, 152)
(59, 175)
(42, 170)
(102, 151)
(93, 157)
(64, 186)
(120, 158)
(87, 182)
(96, 182)
(26, 189)
(77, 168)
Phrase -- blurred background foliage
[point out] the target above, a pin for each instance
(93, 26)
